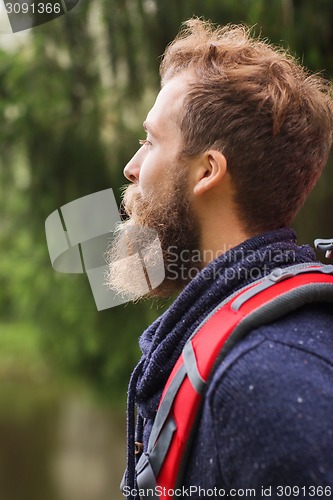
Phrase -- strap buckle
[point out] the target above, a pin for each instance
(325, 246)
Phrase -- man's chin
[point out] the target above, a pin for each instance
(136, 265)
(132, 286)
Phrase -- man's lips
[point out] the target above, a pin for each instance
(124, 215)
(129, 201)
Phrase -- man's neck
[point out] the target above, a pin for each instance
(218, 238)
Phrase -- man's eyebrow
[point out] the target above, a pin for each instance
(149, 128)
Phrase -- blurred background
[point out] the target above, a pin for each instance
(73, 96)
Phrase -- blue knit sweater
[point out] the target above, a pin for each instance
(267, 419)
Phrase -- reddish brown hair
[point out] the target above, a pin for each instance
(256, 104)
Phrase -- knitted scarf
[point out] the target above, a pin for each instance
(163, 341)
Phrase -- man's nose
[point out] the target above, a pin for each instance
(132, 169)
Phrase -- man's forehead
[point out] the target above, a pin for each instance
(168, 105)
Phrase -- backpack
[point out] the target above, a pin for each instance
(160, 469)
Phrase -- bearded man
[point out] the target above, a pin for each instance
(236, 140)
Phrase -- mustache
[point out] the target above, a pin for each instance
(124, 215)
(131, 197)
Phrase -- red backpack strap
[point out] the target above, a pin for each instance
(161, 468)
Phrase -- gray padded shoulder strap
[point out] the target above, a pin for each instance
(282, 304)
(279, 274)
(278, 307)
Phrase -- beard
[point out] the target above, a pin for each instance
(166, 230)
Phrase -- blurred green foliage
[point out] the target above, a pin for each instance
(73, 99)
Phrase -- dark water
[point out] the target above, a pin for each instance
(58, 445)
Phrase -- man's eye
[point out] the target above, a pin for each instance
(144, 142)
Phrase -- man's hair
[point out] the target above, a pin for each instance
(256, 104)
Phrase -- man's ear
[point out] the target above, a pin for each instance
(210, 171)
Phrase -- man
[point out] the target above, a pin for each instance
(237, 138)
